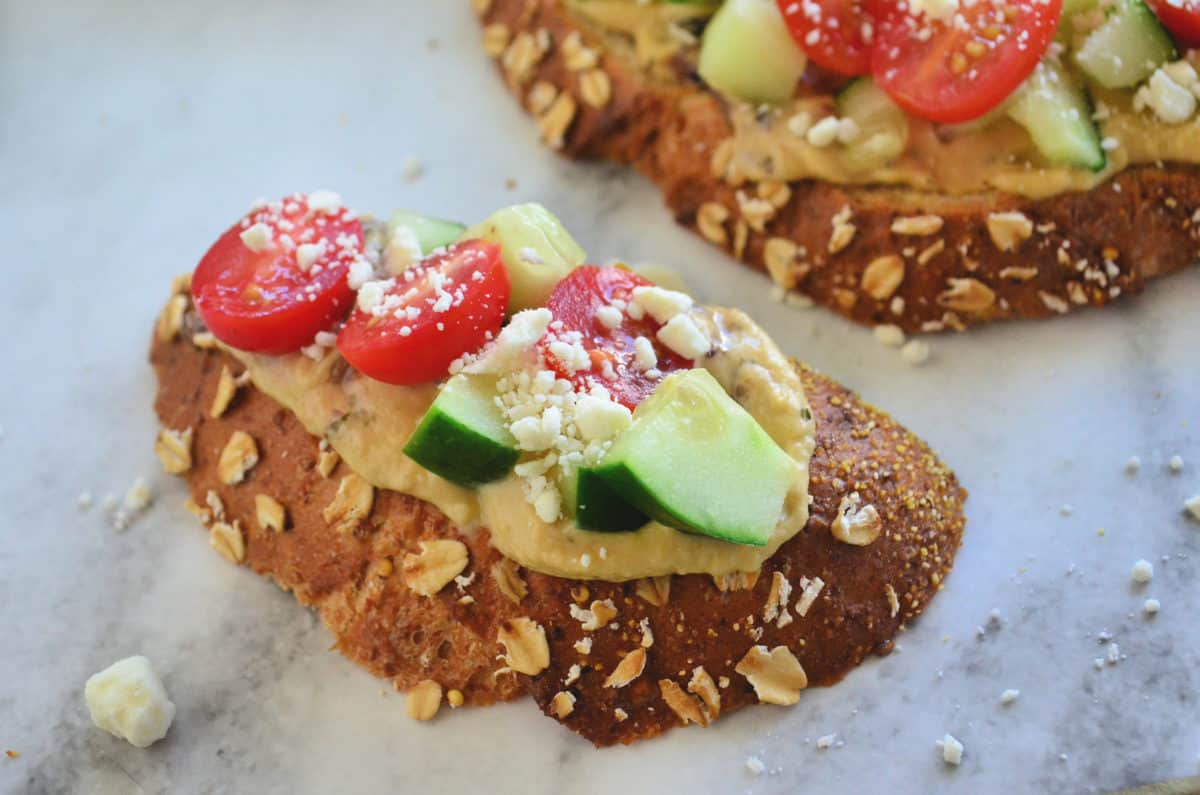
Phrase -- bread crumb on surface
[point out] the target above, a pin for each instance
(915, 352)
(952, 750)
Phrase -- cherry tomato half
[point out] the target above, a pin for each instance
(1181, 18)
(251, 289)
(835, 34)
(958, 70)
(448, 304)
(574, 303)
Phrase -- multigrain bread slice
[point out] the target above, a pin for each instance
(986, 257)
(690, 629)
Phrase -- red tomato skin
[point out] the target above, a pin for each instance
(917, 74)
(842, 49)
(378, 348)
(574, 303)
(288, 320)
(1183, 23)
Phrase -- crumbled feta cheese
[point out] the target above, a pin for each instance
(890, 335)
(359, 273)
(1151, 606)
(1176, 463)
(609, 316)
(1133, 465)
(848, 131)
(139, 496)
(1114, 654)
(530, 255)
(600, 418)
(308, 253)
(525, 329)
(1192, 506)
(128, 700)
(403, 250)
(370, 296)
(952, 750)
(823, 133)
(571, 355)
(1009, 696)
(681, 335)
(755, 766)
(826, 741)
(644, 355)
(941, 10)
(1143, 571)
(325, 202)
(1171, 102)
(661, 304)
(258, 238)
(915, 352)
(85, 500)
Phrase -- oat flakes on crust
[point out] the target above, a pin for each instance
(1082, 249)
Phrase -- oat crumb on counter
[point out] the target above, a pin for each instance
(915, 352)
(1133, 465)
(952, 750)
(1176, 463)
(1192, 506)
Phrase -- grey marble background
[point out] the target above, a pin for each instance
(132, 133)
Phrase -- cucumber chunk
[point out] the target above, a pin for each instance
(695, 460)
(1058, 116)
(430, 233)
(597, 507)
(748, 53)
(463, 436)
(883, 126)
(536, 250)
(1127, 48)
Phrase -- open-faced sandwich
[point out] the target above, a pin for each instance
(497, 470)
(930, 164)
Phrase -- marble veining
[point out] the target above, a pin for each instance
(131, 133)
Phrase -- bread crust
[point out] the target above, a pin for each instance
(354, 579)
(1084, 248)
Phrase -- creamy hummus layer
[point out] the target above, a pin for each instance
(368, 423)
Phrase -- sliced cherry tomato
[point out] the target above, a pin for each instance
(958, 70)
(251, 290)
(611, 353)
(446, 305)
(836, 34)
(1181, 18)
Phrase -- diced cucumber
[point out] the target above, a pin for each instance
(463, 436)
(696, 460)
(883, 126)
(748, 53)
(597, 507)
(430, 233)
(535, 248)
(1127, 48)
(1058, 116)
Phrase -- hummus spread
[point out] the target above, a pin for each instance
(993, 155)
(368, 423)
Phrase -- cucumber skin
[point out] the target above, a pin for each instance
(600, 509)
(1147, 19)
(624, 482)
(461, 464)
(1095, 160)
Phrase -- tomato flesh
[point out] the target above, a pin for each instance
(261, 300)
(574, 304)
(956, 71)
(449, 304)
(1183, 21)
(833, 33)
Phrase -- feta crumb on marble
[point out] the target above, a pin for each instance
(1175, 464)
(1009, 696)
(915, 352)
(128, 700)
(1143, 571)
(952, 750)
(1151, 607)
(1133, 465)
(826, 741)
(890, 335)
(755, 766)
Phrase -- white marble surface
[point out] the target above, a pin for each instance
(132, 133)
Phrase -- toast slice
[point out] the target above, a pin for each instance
(832, 604)
(988, 256)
